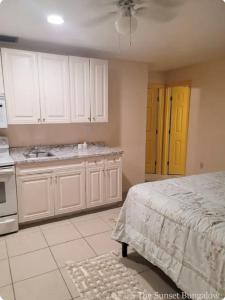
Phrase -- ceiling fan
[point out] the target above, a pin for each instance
(127, 12)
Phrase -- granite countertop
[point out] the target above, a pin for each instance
(62, 152)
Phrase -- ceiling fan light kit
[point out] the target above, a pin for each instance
(126, 25)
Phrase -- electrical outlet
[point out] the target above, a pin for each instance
(201, 165)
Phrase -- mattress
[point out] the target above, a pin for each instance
(179, 226)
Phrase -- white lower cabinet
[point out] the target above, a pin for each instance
(35, 197)
(55, 190)
(113, 180)
(104, 182)
(95, 183)
(70, 190)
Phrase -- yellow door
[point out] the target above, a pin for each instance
(159, 131)
(151, 140)
(178, 129)
(154, 130)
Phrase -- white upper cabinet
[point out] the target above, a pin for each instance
(2, 91)
(21, 86)
(54, 88)
(48, 88)
(79, 89)
(99, 90)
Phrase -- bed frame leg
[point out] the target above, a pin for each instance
(124, 249)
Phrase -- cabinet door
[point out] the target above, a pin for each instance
(70, 190)
(54, 88)
(2, 91)
(95, 184)
(35, 197)
(99, 90)
(21, 86)
(114, 180)
(79, 89)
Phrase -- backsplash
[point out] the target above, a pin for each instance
(30, 135)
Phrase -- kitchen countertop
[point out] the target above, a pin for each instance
(62, 152)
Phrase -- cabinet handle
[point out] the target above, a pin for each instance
(89, 119)
(39, 120)
(43, 119)
(93, 118)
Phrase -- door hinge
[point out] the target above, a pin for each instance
(156, 131)
(169, 131)
(158, 98)
(171, 98)
(155, 162)
(168, 163)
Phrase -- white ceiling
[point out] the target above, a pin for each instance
(196, 32)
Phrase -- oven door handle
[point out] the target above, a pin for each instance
(7, 171)
(7, 221)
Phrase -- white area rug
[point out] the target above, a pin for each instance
(106, 278)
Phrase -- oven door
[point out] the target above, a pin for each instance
(8, 200)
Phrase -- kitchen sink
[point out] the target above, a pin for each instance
(38, 154)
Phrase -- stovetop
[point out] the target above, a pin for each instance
(6, 160)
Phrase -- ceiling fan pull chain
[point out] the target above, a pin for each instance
(119, 43)
(130, 31)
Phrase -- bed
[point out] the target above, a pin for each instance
(179, 226)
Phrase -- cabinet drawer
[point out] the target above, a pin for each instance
(69, 168)
(97, 163)
(113, 162)
(33, 171)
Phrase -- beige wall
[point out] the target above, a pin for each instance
(126, 127)
(156, 77)
(207, 115)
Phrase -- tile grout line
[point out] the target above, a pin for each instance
(35, 276)
(57, 266)
(108, 223)
(96, 254)
(89, 235)
(13, 288)
(85, 239)
(21, 254)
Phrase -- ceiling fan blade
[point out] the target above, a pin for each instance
(100, 19)
(156, 14)
(140, 2)
(167, 3)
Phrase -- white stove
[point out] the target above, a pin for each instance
(8, 198)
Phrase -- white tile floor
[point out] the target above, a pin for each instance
(32, 261)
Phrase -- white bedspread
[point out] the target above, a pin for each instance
(179, 226)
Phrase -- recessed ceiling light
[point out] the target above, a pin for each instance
(55, 19)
